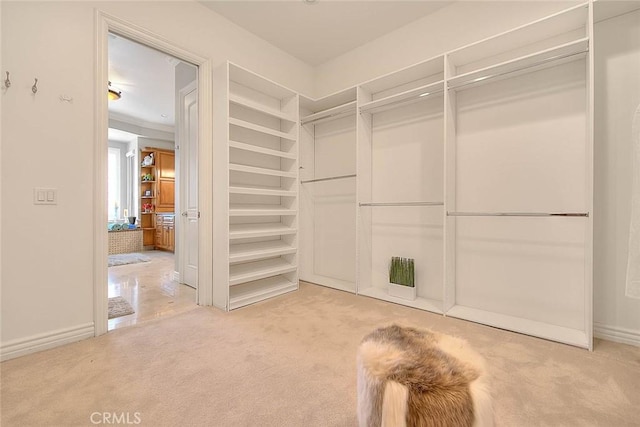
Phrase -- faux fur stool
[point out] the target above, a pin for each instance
(415, 377)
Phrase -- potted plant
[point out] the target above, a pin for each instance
(402, 278)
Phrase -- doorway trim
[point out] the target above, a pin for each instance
(105, 23)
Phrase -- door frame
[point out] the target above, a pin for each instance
(106, 23)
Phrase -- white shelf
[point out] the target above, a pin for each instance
(525, 64)
(256, 82)
(334, 113)
(261, 171)
(251, 292)
(260, 210)
(530, 327)
(261, 129)
(433, 306)
(421, 70)
(262, 191)
(242, 273)
(247, 231)
(404, 98)
(259, 250)
(262, 150)
(238, 100)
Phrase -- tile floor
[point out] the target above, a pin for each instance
(150, 289)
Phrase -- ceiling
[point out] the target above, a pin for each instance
(313, 31)
(316, 31)
(146, 78)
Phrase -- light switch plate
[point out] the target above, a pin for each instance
(45, 196)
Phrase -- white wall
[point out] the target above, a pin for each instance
(448, 28)
(47, 285)
(617, 95)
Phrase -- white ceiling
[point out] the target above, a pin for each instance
(318, 31)
(146, 78)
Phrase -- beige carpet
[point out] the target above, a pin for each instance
(290, 362)
(118, 307)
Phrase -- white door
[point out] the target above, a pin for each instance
(188, 149)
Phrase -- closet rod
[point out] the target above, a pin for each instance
(393, 104)
(328, 179)
(493, 76)
(525, 214)
(331, 116)
(404, 204)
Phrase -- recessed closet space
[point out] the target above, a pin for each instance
(401, 181)
(519, 189)
(328, 190)
(263, 188)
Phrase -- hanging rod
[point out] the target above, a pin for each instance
(405, 100)
(541, 62)
(343, 110)
(521, 214)
(404, 204)
(327, 179)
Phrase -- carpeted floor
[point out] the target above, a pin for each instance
(290, 361)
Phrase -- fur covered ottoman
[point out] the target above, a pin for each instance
(416, 377)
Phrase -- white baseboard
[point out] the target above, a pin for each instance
(616, 334)
(35, 343)
(176, 276)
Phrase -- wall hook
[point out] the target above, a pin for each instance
(7, 82)
(34, 88)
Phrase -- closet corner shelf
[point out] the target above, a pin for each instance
(258, 290)
(403, 98)
(247, 231)
(260, 210)
(262, 150)
(557, 55)
(261, 171)
(235, 99)
(334, 113)
(242, 252)
(250, 271)
(261, 129)
(262, 191)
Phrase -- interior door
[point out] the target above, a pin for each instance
(188, 219)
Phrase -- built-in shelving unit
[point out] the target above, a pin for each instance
(327, 190)
(261, 173)
(401, 181)
(498, 174)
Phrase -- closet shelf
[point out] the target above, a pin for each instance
(262, 191)
(246, 231)
(260, 210)
(334, 113)
(261, 171)
(238, 100)
(259, 250)
(261, 150)
(518, 324)
(403, 98)
(250, 271)
(261, 129)
(250, 292)
(431, 305)
(567, 52)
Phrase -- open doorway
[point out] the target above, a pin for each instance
(152, 179)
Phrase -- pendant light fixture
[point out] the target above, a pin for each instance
(113, 94)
